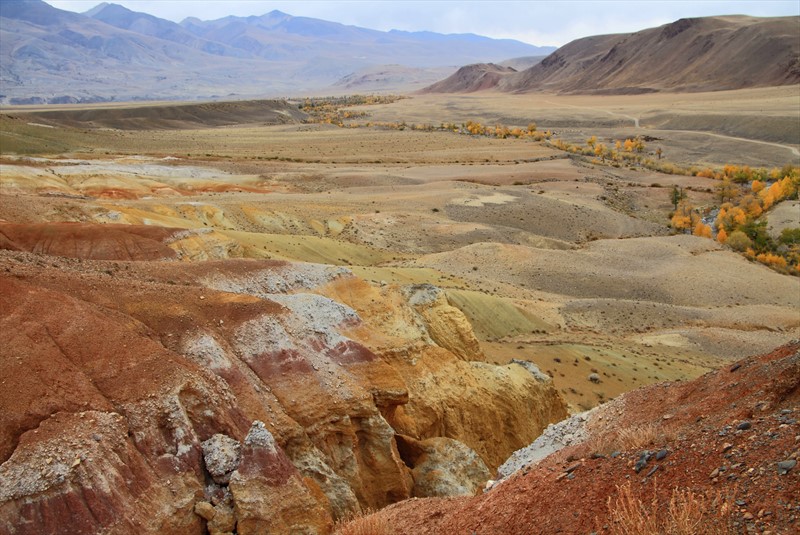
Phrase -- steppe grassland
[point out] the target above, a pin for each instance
(770, 114)
(292, 143)
(774, 101)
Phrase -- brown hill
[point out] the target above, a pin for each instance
(471, 78)
(699, 54)
(522, 63)
(720, 450)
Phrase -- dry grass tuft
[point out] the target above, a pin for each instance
(688, 513)
(630, 438)
(637, 437)
(363, 523)
(629, 515)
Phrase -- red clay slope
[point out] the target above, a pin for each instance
(89, 241)
(724, 435)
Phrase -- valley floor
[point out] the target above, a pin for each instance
(548, 257)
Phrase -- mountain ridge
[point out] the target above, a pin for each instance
(690, 54)
(110, 53)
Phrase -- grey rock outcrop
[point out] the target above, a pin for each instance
(222, 455)
(555, 437)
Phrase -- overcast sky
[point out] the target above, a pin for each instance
(536, 22)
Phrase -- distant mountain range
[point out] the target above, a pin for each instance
(109, 53)
(699, 54)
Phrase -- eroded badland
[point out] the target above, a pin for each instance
(172, 276)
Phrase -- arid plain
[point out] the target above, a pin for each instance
(554, 258)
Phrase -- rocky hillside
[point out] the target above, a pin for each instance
(715, 455)
(701, 54)
(157, 396)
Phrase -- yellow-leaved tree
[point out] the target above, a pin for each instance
(730, 217)
(684, 217)
(702, 230)
(727, 191)
(600, 150)
(751, 206)
(629, 145)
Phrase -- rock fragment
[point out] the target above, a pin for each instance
(205, 510)
(222, 455)
(642, 462)
(785, 466)
(572, 468)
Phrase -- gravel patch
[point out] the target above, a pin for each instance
(555, 437)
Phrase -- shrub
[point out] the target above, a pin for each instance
(771, 260)
(738, 241)
(790, 236)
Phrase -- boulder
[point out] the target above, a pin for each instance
(443, 467)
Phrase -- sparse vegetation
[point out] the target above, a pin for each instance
(637, 437)
(330, 110)
(405, 137)
(363, 523)
(686, 513)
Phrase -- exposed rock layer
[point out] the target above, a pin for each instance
(151, 375)
(722, 448)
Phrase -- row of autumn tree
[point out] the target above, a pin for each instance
(739, 222)
(336, 111)
(744, 193)
(332, 110)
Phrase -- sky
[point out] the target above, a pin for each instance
(537, 22)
